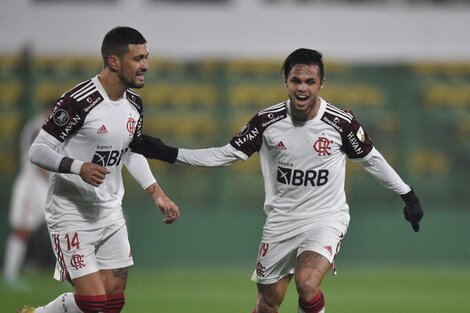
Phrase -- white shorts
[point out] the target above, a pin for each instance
(84, 252)
(278, 259)
(28, 202)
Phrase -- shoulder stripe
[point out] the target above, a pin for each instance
(340, 116)
(275, 108)
(77, 91)
(339, 113)
(87, 94)
(84, 93)
(134, 98)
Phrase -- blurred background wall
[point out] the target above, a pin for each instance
(402, 66)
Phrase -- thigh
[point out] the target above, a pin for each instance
(75, 253)
(114, 251)
(310, 270)
(316, 254)
(115, 280)
(322, 239)
(275, 260)
(89, 285)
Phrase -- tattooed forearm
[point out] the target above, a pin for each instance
(65, 164)
(120, 273)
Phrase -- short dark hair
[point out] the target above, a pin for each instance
(303, 56)
(117, 41)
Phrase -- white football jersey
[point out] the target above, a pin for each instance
(91, 128)
(303, 165)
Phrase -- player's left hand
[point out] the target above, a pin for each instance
(412, 211)
(169, 209)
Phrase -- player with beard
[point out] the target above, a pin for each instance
(85, 144)
(303, 143)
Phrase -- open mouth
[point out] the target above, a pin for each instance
(301, 98)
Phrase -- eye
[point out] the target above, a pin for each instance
(310, 81)
(295, 80)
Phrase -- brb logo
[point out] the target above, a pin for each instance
(109, 157)
(289, 176)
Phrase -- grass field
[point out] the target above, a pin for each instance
(400, 289)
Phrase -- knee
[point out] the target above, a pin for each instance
(115, 289)
(266, 307)
(307, 287)
(266, 304)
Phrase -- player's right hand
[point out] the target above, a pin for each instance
(93, 174)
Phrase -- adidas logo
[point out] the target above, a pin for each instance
(330, 250)
(280, 146)
(102, 130)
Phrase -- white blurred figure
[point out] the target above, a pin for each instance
(27, 204)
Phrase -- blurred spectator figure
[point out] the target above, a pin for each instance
(27, 204)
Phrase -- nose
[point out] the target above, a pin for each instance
(145, 65)
(301, 87)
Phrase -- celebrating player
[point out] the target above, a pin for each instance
(84, 143)
(303, 143)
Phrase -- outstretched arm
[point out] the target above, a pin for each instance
(377, 166)
(210, 157)
(154, 148)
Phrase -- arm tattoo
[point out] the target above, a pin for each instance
(65, 164)
(120, 273)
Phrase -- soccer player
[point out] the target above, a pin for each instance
(85, 144)
(303, 143)
(27, 203)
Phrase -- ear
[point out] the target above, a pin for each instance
(322, 83)
(114, 62)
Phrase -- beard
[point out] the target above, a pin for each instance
(303, 112)
(130, 83)
(299, 115)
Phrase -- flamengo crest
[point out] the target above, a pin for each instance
(323, 146)
(131, 126)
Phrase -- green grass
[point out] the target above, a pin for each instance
(397, 289)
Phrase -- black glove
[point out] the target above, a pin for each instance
(412, 211)
(154, 148)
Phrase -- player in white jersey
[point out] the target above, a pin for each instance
(84, 143)
(27, 203)
(303, 143)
